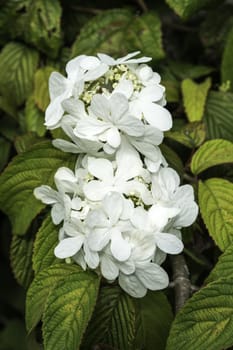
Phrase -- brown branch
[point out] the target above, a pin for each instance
(181, 280)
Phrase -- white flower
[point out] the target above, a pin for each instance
(108, 223)
(146, 75)
(80, 69)
(154, 221)
(107, 119)
(167, 193)
(121, 180)
(123, 60)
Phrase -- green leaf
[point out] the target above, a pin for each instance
(113, 322)
(27, 171)
(212, 153)
(224, 266)
(24, 142)
(206, 320)
(21, 259)
(218, 115)
(45, 242)
(172, 158)
(155, 317)
(68, 310)
(40, 288)
(105, 32)
(5, 147)
(216, 206)
(34, 118)
(41, 92)
(145, 34)
(194, 97)
(184, 70)
(43, 27)
(226, 65)
(186, 8)
(17, 67)
(191, 135)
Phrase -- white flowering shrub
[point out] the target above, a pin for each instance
(120, 211)
(116, 181)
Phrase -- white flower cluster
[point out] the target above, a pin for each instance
(122, 208)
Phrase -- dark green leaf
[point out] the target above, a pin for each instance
(17, 67)
(68, 310)
(113, 322)
(5, 147)
(226, 66)
(27, 171)
(105, 32)
(218, 115)
(186, 8)
(21, 259)
(212, 153)
(45, 242)
(34, 118)
(41, 92)
(191, 135)
(216, 206)
(206, 320)
(43, 26)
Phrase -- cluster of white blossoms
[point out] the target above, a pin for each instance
(121, 209)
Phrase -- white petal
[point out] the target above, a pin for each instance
(91, 258)
(106, 59)
(89, 62)
(120, 248)
(131, 126)
(170, 179)
(157, 116)
(113, 137)
(118, 106)
(159, 215)
(96, 73)
(169, 243)
(140, 218)
(74, 107)
(98, 239)
(54, 112)
(108, 268)
(113, 206)
(128, 162)
(73, 68)
(96, 190)
(65, 180)
(57, 213)
(101, 168)
(124, 87)
(131, 285)
(151, 93)
(68, 247)
(46, 194)
(100, 107)
(66, 146)
(57, 85)
(152, 276)
(88, 127)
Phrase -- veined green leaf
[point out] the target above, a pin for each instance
(24, 142)
(113, 322)
(105, 32)
(40, 288)
(218, 115)
(45, 242)
(17, 67)
(43, 28)
(216, 206)
(68, 310)
(226, 66)
(144, 34)
(27, 171)
(194, 97)
(34, 118)
(185, 8)
(212, 153)
(154, 315)
(206, 320)
(21, 259)
(41, 92)
(191, 135)
(224, 266)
